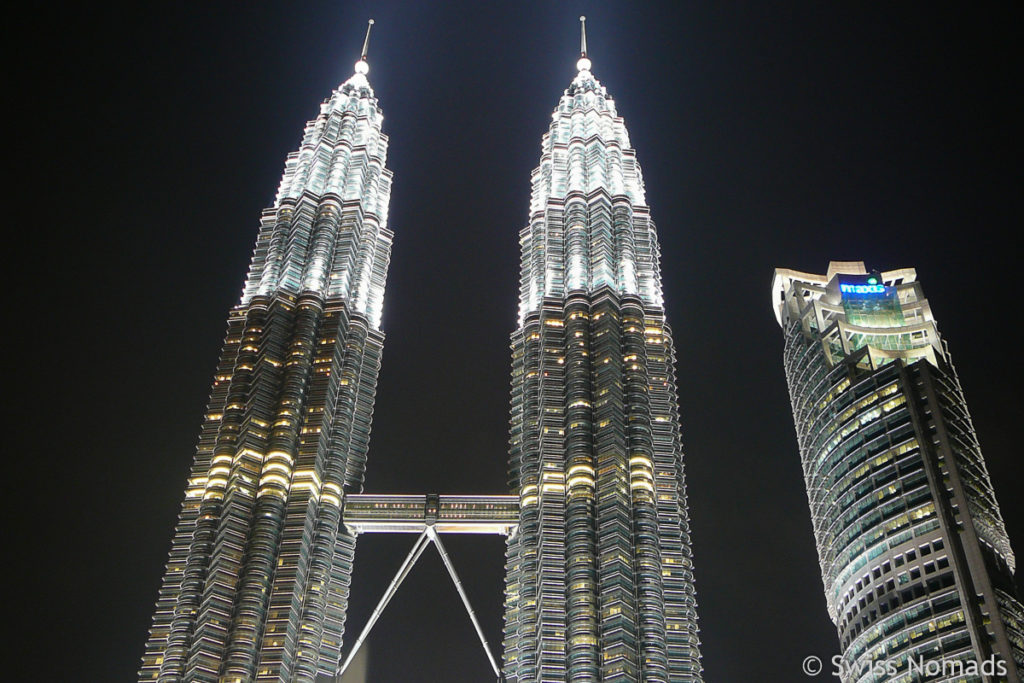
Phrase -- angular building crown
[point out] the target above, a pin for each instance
(853, 309)
(335, 185)
(590, 226)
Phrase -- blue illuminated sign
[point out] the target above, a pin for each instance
(862, 289)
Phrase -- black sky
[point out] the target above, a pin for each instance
(770, 134)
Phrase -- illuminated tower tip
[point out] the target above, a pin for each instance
(366, 43)
(361, 66)
(584, 63)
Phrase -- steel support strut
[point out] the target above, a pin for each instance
(465, 598)
(417, 549)
(422, 541)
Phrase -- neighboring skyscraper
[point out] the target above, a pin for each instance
(258, 578)
(914, 555)
(599, 579)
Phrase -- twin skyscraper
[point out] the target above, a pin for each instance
(599, 569)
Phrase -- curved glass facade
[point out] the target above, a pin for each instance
(600, 573)
(914, 556)
(258, 577)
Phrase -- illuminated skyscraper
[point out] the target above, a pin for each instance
(257, 582)
(599, 579)
(915, 560)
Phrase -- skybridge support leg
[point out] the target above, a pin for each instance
(417, 549)
(465, 598)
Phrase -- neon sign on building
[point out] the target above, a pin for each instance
(862, 289)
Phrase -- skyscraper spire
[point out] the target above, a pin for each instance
(584, 63)
(366, 43)
(362, 67)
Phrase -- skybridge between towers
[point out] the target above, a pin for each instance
(412, 514)
(598, 561)
(429, 516)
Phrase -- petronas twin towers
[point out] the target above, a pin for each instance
(599, 582)
(915, 558)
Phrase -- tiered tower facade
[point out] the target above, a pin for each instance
(257, 582)
(599, 582)
(915, 559)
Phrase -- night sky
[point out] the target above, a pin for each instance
(769, 134)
